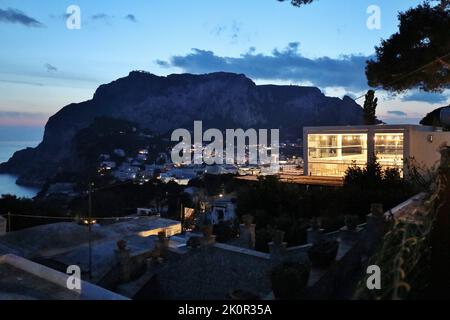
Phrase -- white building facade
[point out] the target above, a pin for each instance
(330, 151)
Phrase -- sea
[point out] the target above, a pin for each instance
(7, 181)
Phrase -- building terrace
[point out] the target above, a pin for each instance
(329, 151)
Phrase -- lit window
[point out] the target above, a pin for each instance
(389, 149)
(332, 154)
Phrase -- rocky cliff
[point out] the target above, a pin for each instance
(162, 104)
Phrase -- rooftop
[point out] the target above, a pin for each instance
(60, 245)
(53, 239)
(22, 279)
(362, 128)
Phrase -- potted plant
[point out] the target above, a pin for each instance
(351, 222)
(289, 280)
(162, 235)
(163, 239)
(207, 230)
(207, 227)
(315, 223)
(193, 242)
(323, 253)
(122, 245)
(247, 220)
(278, 237)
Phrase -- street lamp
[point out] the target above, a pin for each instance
(89, 229)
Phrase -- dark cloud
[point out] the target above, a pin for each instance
(100, 16)
(50, 68)
(422, 96)
(22, 82)
(63, 16)
(21, 115)
(397, 113)
(15, 16)
(232, 31)
(235, 30)
(288, 64)
(402, 120)
(131, 17)
(8, 118)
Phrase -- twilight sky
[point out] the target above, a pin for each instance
(45, 66)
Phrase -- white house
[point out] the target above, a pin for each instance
(221, 169)
(222, 211)
(329, 151)
(143, 151)
(126, 172)
(108, 165)
(141, 157)
(119, 153)
(104, 157)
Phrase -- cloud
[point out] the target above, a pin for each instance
(232, 31)
(287, 64)
(50, 68)
(63, 16)
(100, 16)
(403, 120)
(30, 83)
(15, 16)
(422, 96)
(8, 118)
(131, 17)
(397, 113)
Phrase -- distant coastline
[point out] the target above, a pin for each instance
(8, 182)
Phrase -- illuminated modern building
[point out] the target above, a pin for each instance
(329, 151)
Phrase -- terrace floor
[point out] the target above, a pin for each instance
(303, 180)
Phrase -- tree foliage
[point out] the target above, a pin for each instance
(370, 108)
(298, 3)
(288, 207)
(434, 119)
(418, 55)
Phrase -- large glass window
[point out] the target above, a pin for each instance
(332, 154)
(389, 149)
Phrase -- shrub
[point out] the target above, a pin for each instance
(223, 232)
(289, 280)
(323, 253)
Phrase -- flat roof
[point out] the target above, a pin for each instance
(301, 179)
(17, 284)
(22, 279)
(52, 239)
(380, 127)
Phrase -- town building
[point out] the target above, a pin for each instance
(330, 151)
(222, 211)
(120, 153)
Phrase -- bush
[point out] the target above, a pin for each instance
(289, 280)
(223, 232)
(323, 253)
(289, 207)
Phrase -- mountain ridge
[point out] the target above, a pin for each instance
(164, 103)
